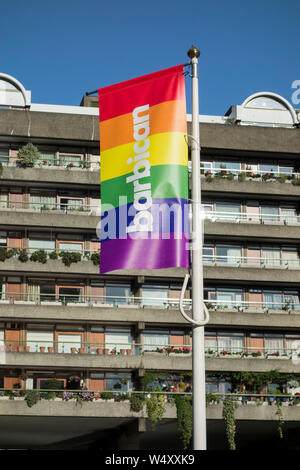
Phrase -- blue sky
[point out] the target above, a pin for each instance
(60, 49)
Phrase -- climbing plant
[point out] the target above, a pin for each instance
(31, 397)
(280, 417)
(155, 408)
(137, 402)
(228, 415)
(184, 419)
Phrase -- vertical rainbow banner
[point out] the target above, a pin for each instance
(144, 172)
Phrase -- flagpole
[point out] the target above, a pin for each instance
(198, 361)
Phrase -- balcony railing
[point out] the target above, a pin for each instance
(262, 262)
(142, 302)
(258, 218)
(64, 208)
(134, 348)
(249, 174)
(55, 163)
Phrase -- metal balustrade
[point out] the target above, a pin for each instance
(217, 216)
(141, 302)
(84, 209)
(261, 262)
(260, 175)
(137, 349)
(56, 163)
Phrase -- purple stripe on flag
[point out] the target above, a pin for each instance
(144, 254)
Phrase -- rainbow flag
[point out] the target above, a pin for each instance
(144, 172)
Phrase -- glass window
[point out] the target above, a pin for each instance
(274, 344)
(228, 211)
(66, 342)
(229, 299)
(70, 247)
(120, 382)
(228, 254)
(268, 168)
(37, 339)
(208, 254)
(155, 296)
(69, 205)
(227, 165)
(70, 160)
(47, 158)
(42, 202)
(154, 340)
(271, 256)
(47, 245)
(70, 294)
(4, 156)
(118, 339)
(270, 213)
(118, 293)
(288, 215)
(273, 300)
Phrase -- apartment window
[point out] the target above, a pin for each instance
(120, 382)
(71, 247)
(4, 156)
(70, 294)
(231, 343)
(3, 238)
(268, 168)
(67, 342)
(290, 257)
(288, 215)
(273, 300)
(269, 213)
(45, 201)
(228, 254)
(42, 292)
(271, 256)
(72, 160)
(155, 339)
(37, 339)
(227, 210)
(47, 158)
(155, 296)
(118, 339)
(69, 205)
(227, 166)
(208, 254)
(41, 243)
(3, 199)
(228, 298)
(274, 343)
(118, 293)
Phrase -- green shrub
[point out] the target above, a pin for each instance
(136, 402)
(53, 255)
(107, 395)
(96, 259)
(69, 257)
(40, 256)
(23, 256)
(31, 397)
(28, 155)
(1, 169)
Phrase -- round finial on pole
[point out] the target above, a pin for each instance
(193, 52)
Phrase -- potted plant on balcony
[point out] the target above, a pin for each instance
(28, 156)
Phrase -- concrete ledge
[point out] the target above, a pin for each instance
(107, 409)
(250, 365)
(259, 188)
(49, 175)
(255, 274)
(48, 219)
(155, 361)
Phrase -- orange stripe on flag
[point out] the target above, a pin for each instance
(169, 116)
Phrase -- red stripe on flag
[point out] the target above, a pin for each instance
(151, 89)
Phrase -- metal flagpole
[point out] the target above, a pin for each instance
(198, 368)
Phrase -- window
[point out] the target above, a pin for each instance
(155, 296)
(208, 254)
(4, 156)
(47, 158)
(229, 298)
(269, 213)
(228, 254)
(155, 339)
(118, 293)
(70, 160)
(37, 339)
(227, 210)
(274, 344)
(271, 256)
(66, 342)
(70, 247)
(227, 165)
(41, 244)
(288, 215)
(43, 201)
(69, 205)
(118, 339)
(70, 294)
(120, 382)
(273, 300)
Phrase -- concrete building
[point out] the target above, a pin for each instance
(60, 320)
